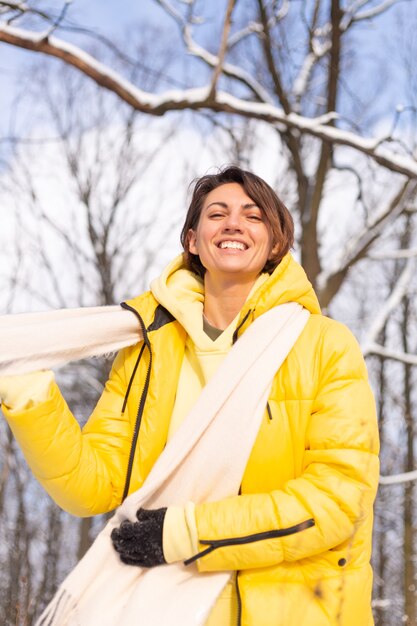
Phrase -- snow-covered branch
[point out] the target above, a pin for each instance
(316, 128)
(250, 29)
(198, 98)
(403, 357)
(319, 48)
(393, 254)
(212, 60)
(357, 247)
(301, 80)
(398, 478)
(256, 27)
(391, 303)
(354, 14)
(230, 70)
(381, 603)
(374, 11)
(17, 9)
(22, 7)
(167, 6)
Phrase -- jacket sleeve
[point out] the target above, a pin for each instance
(83, 470)
(333, 496)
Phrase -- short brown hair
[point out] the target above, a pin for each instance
(276, 213)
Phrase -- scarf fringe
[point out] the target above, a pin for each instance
(60, 610)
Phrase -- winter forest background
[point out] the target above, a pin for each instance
(110, 109)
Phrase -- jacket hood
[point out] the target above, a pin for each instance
(182, 292)
(288, 283)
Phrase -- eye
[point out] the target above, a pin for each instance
(254, 217)
(216, 214)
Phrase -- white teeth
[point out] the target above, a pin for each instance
(234, 245)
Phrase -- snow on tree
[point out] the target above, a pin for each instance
(334, 84)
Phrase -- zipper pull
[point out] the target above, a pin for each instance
(236, 333)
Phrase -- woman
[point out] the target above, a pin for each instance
(313, 466)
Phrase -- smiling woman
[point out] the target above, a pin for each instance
(233, 242)
(288, 540)
(232, 236)
(236, 228)
(255, 195)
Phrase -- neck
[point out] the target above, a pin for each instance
(224, 299)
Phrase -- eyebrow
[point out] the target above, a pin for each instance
(224, 205)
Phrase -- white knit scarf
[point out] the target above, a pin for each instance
(33, 341)
(204, 461)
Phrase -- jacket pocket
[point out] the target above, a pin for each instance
(213, 544)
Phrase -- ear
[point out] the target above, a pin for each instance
(192, 241)
(273, 251)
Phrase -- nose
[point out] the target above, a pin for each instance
(233, 222)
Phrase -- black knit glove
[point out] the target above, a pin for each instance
(140, 543)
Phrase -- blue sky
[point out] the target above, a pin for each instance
(113, 18)
(106, 17)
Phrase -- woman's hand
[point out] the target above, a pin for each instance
(140, 543)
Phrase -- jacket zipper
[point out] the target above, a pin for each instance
(236, 333)
(142, 400)
(239, 601)
(213, 544)
(132, 378)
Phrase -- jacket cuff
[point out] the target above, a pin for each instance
(180, 539)
(26, 391)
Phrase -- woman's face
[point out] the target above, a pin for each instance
(232, 238)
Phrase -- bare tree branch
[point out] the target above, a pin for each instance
(223, 49)
(330, 279)
(196, 99)
(56, 23)
(229, 70)
(388, 307)
(256, 27)
(212, 60)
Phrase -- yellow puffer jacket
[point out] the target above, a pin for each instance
(299, 533)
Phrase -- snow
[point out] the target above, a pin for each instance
(393, 254)
(198, 98)
(231, 70)
(357, 244)
(374, 348)
(388, 307)
(300, 83)
(374, 11)
(252, 27)
(398, 478)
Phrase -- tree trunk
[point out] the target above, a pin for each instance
(410, 595)
(381, 573)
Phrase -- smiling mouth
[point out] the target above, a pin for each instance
(232, 245)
